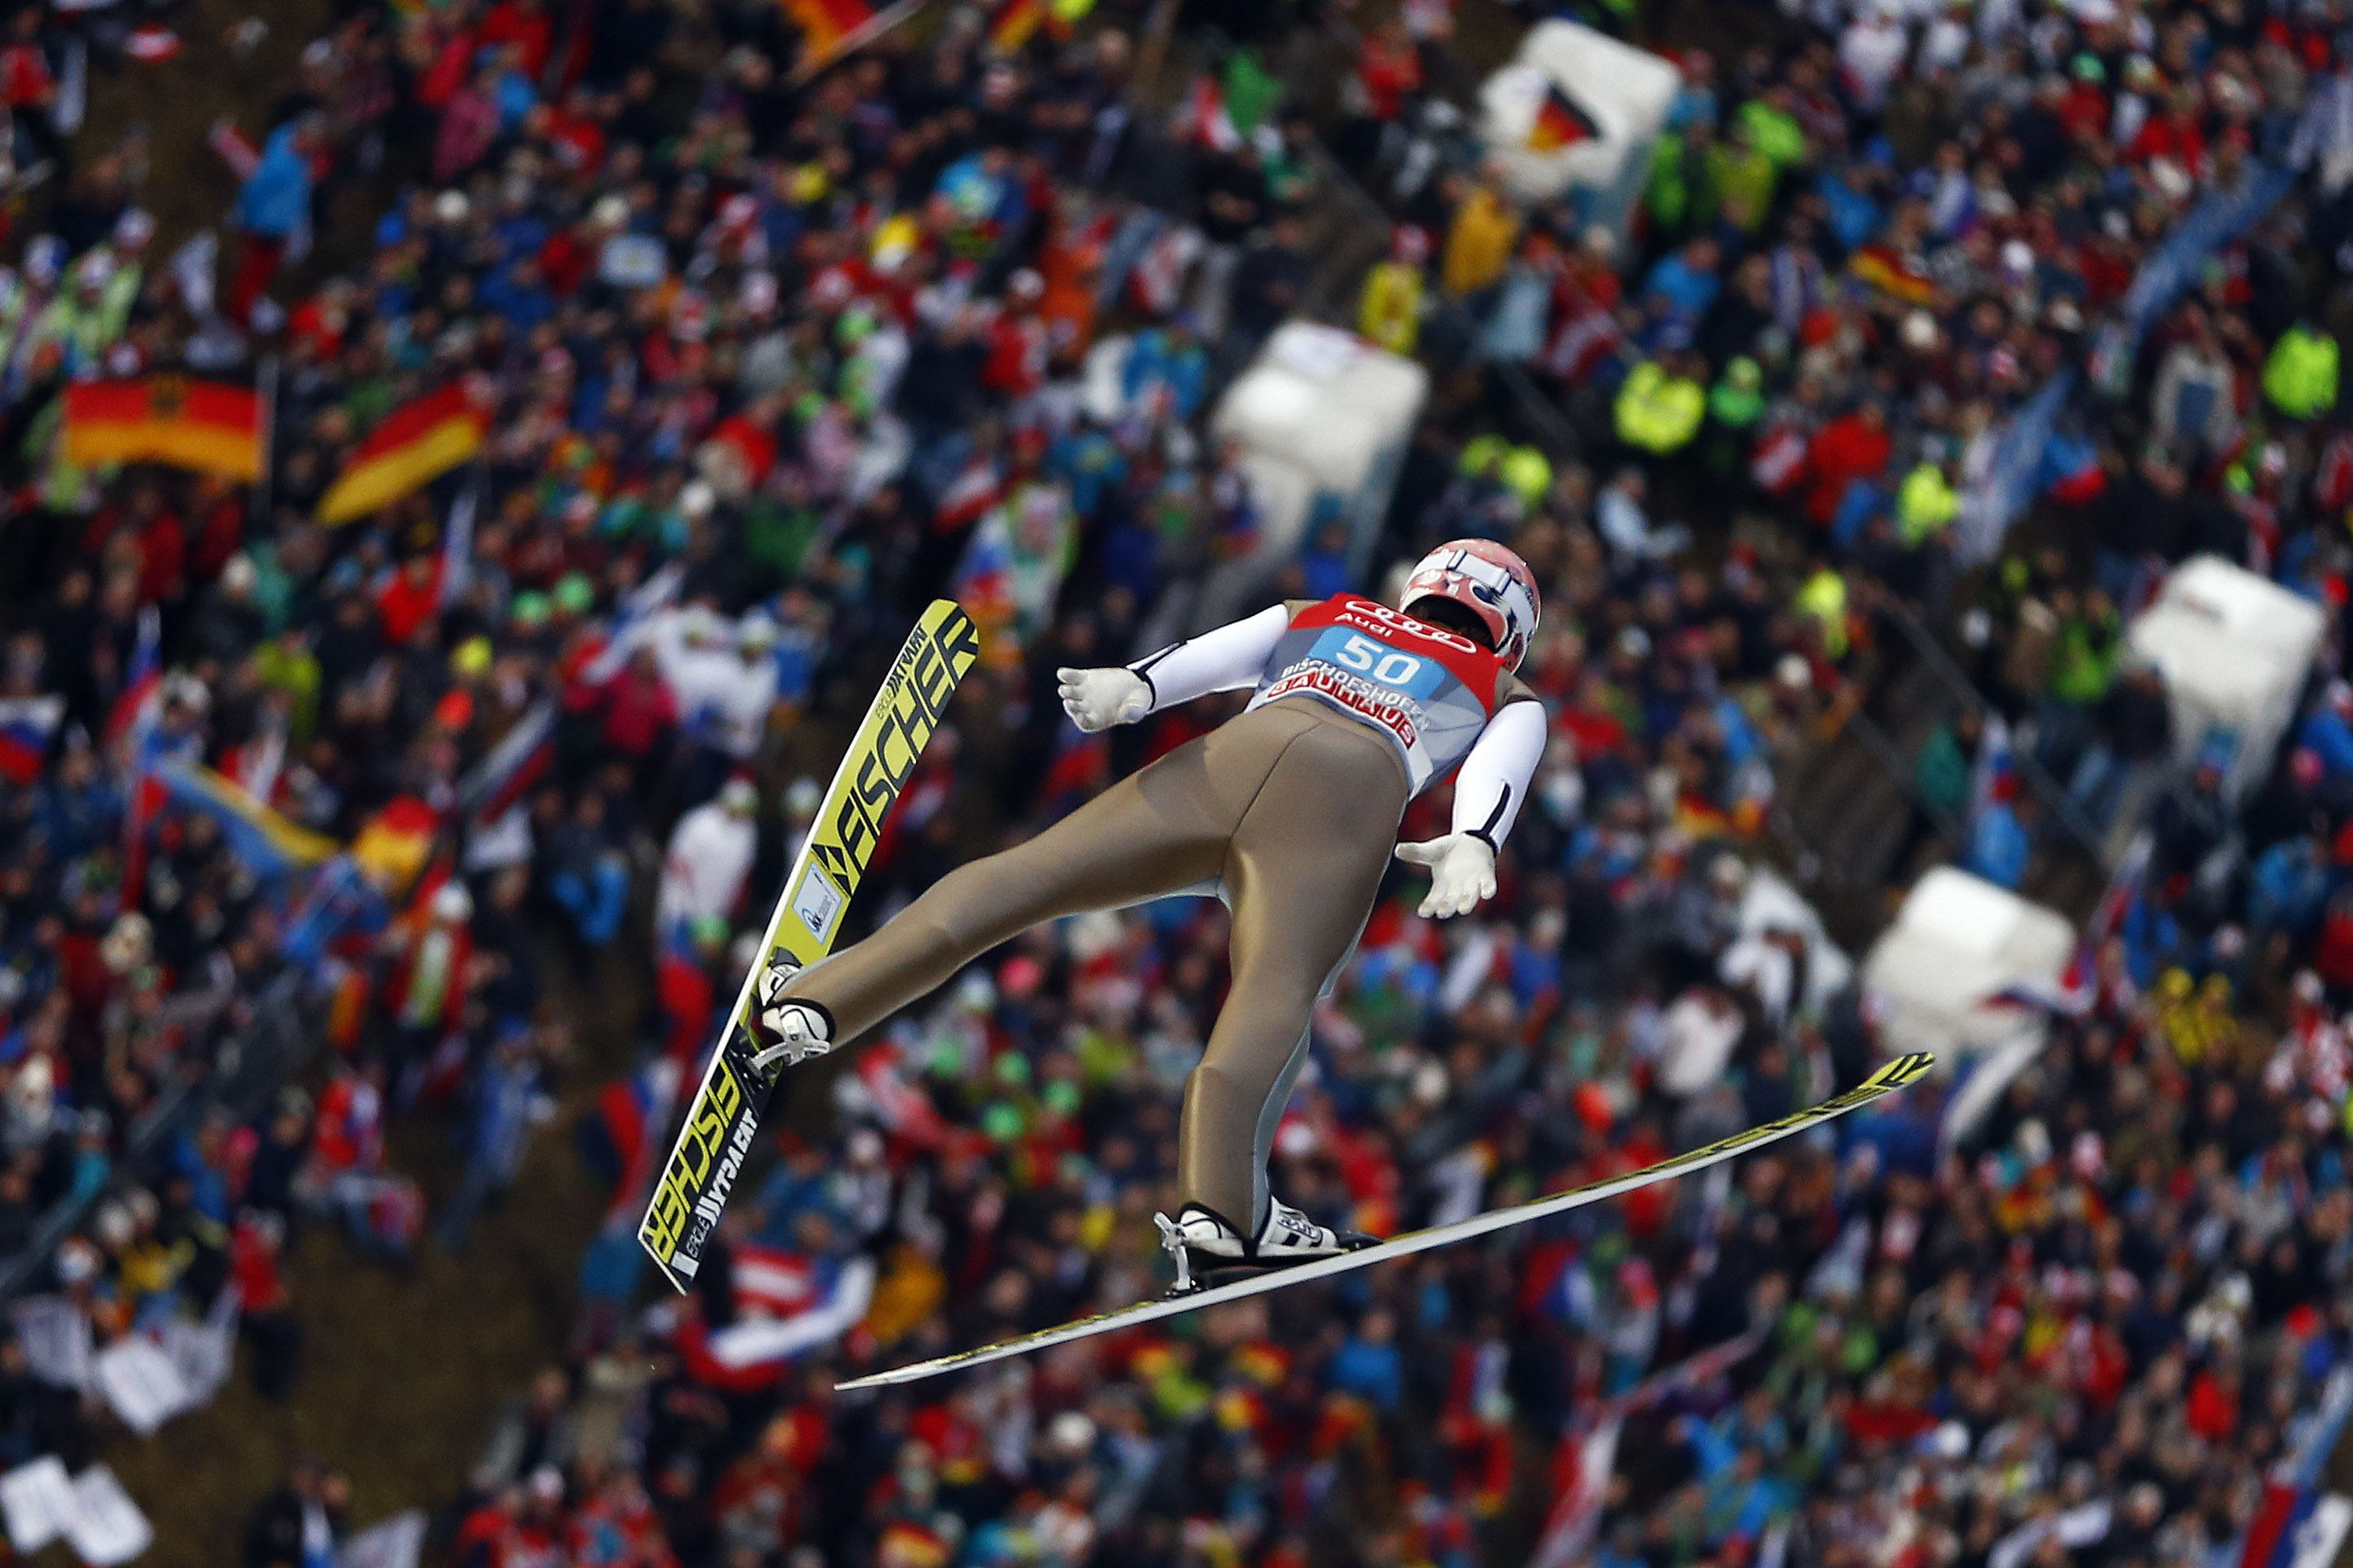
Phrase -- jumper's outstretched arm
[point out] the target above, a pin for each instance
(1222, 661)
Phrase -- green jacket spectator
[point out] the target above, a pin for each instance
(1775, 133)
(2091, 640)
(1926, 505)
(2300, 374)
(1941, 771)
(1659, 410)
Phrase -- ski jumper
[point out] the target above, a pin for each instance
(1287, 812)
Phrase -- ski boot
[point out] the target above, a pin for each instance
(1200, 1236)
(788, 1033)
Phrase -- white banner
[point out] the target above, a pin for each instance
(142, 1383)
(36, 1498)
(396, 1543)
(106, 1527)
(56, 1338)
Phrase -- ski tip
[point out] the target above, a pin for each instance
(1903, 1071)
(916, 1373)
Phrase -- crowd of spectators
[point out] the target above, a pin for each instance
(765, 364)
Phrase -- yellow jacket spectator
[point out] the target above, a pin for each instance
(1678, 179)
(1926, 505)
(1482, 455)
(1822, 599)
(2195, 1019)
(1742, 177)
(1527, 476)
(1659, 410)
(1522, 470)
(2090, 645)
(2300, 373)
(1389, 313)
(1774, 130)
(79, 321)
(1480, 244)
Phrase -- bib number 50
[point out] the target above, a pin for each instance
(1385, 665)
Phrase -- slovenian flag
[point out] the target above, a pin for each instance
(2071, 474)
(2271, 1536)
(509, 770)
(1995, 777)
(141, 702)
(27, 724)
(1559, 123)
(2079, 987)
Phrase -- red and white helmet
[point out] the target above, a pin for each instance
(1489, 581)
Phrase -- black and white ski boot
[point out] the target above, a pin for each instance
(788, 1033)
(1209, 1250)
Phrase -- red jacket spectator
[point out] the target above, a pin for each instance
(409, 599)
(2175, 137)
(1846, 450)
(452, 67)
(640, 711)
(254, 1251)
(524, 24)
(220, 533)
(162, 558)
(1388, 69)
(2213, 1409)
(25, 78)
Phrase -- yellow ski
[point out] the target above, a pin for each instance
(725, 1116)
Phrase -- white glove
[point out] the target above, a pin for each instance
(1462, 872)
(1097, 699)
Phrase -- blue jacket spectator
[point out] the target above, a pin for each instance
(276, 199)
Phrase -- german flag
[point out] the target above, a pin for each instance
(1015, 23)
(199, 424)
(1892, 272)
(1559, 123)
(414, 445)
(827, 25)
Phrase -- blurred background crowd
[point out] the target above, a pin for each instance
(1934, 338)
